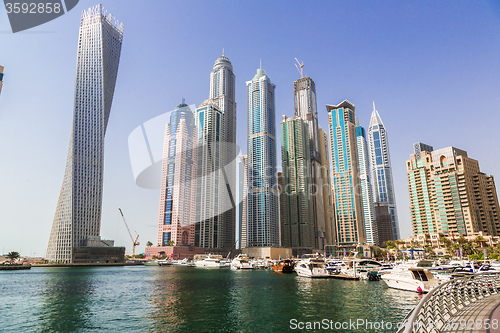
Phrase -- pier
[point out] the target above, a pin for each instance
(468, 304)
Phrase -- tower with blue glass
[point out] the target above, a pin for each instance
(263, 196)
(380, 161)
(347, 198)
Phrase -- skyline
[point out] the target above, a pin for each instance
(420, 75)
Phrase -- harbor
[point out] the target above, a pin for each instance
(188, 299)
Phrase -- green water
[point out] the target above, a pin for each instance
(184, 299)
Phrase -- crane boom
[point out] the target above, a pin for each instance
(134, 242)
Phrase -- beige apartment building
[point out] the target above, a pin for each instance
(450, 195)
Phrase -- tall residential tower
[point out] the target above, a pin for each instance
(380, 161)
(77, 221)
(348, 205)
(366, 187)
(262, 200)
(177, 214)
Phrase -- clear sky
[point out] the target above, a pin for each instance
(432, 68)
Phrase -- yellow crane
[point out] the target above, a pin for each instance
(134, 242)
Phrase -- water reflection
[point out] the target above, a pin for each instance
(187, 299)
(66, 299)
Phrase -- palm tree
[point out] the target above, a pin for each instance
(149, 244)
(13, 255)
(480, 241)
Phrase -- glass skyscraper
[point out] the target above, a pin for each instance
(296, 197)
(216, 123)
(210, 183)
(222, 92)
(304, 91)
(380, 161)
(366, 187)
(348, 205)
(77, 220)
(177, 213)
(262, 200)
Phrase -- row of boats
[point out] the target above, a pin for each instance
(412, 275)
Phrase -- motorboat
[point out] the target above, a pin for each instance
(165, 262)
(210, 261)
(151, 263)
(312, 268)
(411, 277)
(184, 262)
(283, 266)
(241, 262)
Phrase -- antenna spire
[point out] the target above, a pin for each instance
(301, 65)
(183, 101)
(373, 105)
(222, 51)
(260, 63)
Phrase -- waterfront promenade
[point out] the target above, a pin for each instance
(486, 310)
(468, 304)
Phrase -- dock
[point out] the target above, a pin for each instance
(344, 277)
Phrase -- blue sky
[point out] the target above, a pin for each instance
(431, 67)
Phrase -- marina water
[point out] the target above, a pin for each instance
(185, 299)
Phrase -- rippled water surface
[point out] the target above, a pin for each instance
(184, 299)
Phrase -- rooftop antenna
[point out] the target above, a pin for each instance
(300, 70)
(373, 105)
(183, 101)
(260, 63)
(222, 51)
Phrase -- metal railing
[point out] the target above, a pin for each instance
(435, 312)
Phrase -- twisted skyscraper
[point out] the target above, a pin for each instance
(77, 220)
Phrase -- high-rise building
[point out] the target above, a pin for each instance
(450, 195)
(241, 230)
(348, 207)
(222, 92)
(380, 161)
(77, 220)
(366, 188)
(210, 226)
(304, 91)
(327, 189)
(1, 78)
(296, 197)
(177, 214)
(383, 223)
(262, 210)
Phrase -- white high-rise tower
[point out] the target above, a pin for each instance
(77, 220)
(380, 161)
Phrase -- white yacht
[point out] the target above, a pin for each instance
(241, 262)
(312, 268)
(209, 261)
(412, 277)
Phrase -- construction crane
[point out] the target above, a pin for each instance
(134, 242)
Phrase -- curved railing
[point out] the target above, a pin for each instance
(436, 310)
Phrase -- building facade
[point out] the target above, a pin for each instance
(177, 212)
(211, 185)
(241, 231)
(263, 207)
(222, 92)
(383, 185)
(304, 91)
(327, 189)
(348, 206)
(365, 185)
(296, 197)
(78, 212)
(449, 194)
